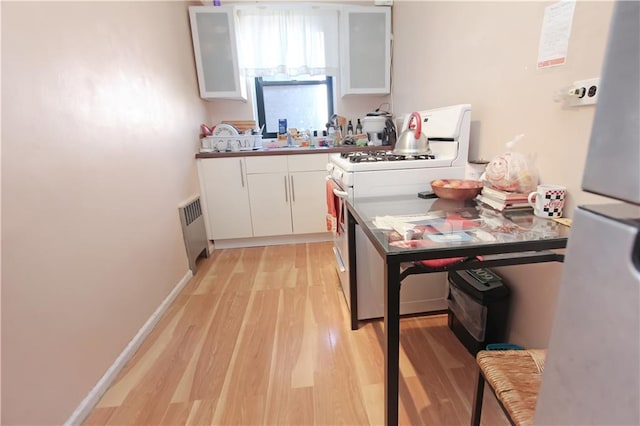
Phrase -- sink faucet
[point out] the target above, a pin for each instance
(334, 129)
(333, 121)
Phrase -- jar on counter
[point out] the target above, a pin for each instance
(475, 169)
(305, 138)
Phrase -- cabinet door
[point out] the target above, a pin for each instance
(366, 50)
(267, 164)
(270, 204)
(307, 162)
(224, 183)
(214, 46)
(308, 201)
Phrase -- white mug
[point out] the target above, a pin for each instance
(549, 200)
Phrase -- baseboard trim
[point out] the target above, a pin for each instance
(87, 405)
(272, 240)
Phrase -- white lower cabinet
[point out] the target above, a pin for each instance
(262, 196)
(226, 193)
(308, 201)
(269, 195)
(287, 194)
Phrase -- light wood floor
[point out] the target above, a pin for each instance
(261, 336)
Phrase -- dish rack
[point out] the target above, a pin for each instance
(230, 143)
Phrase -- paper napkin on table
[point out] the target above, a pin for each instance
(563, 220)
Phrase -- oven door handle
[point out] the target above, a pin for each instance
(339, 260)
(337, 192)
(340, 194)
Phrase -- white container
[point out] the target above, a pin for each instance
(475, 169)
(373, 126)
(207, 144)
(231, 143)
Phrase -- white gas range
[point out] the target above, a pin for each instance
(381, 173)
(376, 173)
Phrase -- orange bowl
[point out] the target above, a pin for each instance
(456, 189)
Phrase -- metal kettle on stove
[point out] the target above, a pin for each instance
(413, 141)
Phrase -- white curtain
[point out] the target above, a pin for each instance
(288, 42)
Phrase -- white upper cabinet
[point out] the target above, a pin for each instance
(214, 45)
(365, 34)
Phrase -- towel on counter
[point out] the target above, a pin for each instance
(333, 208)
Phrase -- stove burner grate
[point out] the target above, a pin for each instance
(375, 156)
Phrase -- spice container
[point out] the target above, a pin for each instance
(282, 126)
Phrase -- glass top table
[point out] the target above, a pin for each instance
(449, 235)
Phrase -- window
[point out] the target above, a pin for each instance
(306, 103)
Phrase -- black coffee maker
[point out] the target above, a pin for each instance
(389, 134)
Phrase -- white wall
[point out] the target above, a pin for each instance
(485, 54)
(100, 124)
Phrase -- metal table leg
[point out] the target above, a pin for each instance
(392, 341)
(353, 273)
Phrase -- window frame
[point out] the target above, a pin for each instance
(260, 84)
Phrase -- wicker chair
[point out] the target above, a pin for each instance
(514, 377)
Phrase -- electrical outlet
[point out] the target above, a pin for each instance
(584, 92)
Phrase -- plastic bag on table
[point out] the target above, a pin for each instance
(512, 171)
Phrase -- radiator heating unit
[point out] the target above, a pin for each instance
(193, 231)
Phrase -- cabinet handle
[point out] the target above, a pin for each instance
(293, 191)
(241, 174)
(286, 195)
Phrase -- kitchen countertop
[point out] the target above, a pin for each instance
(290, 151)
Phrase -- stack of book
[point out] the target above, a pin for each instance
(503, 200)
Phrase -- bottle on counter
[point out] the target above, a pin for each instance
(313, 135)
(350, 128)
(331, 137)
(322, 140)
(338, 136)
(282, 126)
(359, 127)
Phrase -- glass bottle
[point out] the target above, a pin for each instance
(331, 138)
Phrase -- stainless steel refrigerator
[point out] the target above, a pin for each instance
(592, 373)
